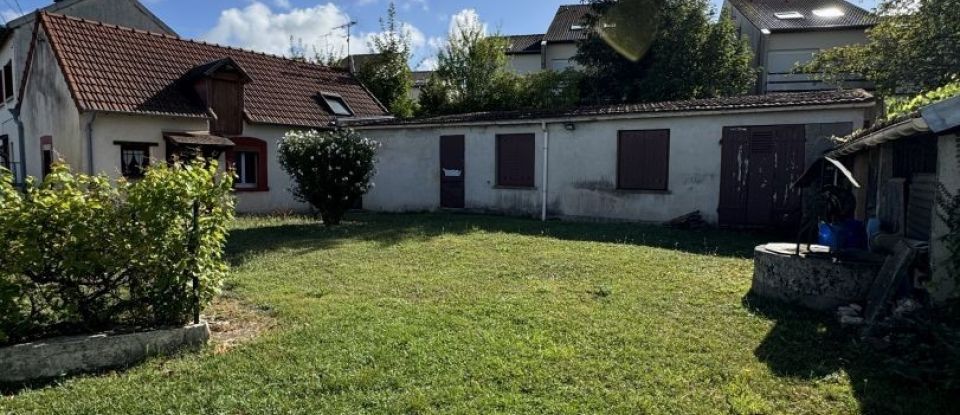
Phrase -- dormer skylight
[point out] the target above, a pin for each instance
(792, 15)
(828, 12)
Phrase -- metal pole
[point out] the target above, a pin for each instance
(194, 248)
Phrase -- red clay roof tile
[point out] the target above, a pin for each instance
(117, 69)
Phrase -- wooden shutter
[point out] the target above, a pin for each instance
(643, 160)
(516, 158)
(227, 103)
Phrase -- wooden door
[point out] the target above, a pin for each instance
(759, 164)
(452, 173)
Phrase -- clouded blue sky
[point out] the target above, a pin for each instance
(267, 25)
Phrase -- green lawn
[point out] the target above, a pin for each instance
(475, 314)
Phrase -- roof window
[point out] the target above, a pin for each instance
(788, 15)
(576, 27)
(828, 12)
(337, 105)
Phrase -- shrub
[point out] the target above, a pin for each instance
(83, 255)
(331, 170)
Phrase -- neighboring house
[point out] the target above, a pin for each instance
(787, 33)
(420, 79)
(553, 50)
(110, 99)
(15, 40)
(900, 166)
(733, 159)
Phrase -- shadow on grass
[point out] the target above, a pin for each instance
(392, 229)
(811, 346)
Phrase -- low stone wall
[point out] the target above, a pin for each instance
(79, 354)
(816, 282)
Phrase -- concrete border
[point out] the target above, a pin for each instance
(62, 356)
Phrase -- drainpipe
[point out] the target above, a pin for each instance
(20, 142)
(93, 118)
(546, 170)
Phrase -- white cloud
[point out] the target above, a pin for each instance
(283, 4)
(428, 64)
(466, 18)
(259, 28)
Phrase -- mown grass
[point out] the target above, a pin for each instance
(479, 315)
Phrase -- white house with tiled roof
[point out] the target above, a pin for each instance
(110, 99)
(553, 50)
(15, 38)
(787, 33)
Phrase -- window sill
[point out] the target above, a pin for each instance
(251, 189)
(645, 191)
(498, 187)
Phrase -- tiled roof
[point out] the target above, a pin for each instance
(561, 29)
(796, 99)
(523, 44)
(117, 69)
(762, 13)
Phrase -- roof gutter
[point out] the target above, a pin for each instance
(906, 128)
(610, 117)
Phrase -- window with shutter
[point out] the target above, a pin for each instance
(643, 160)
(248, 159)
(227, 103)
(516, 158)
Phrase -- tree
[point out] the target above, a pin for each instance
(549, 90)
(331, 170)
(914, 46)
(471, 74)
(387, 74)
(681, 54)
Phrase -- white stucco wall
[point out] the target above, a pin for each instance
(582, 166)
(8, 125)
(944, 285)
(560, 56)
(279, 198)
(49, 110)
(108, 129)
(525, 63)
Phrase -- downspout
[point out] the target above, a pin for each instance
(546, 170)
(21, 143)
(93, 118)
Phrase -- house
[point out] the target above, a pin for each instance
(420, 79)
(112, 99)
(733, 159)
(787, 33)
(554, 49)
(900, 166)
(15, 39)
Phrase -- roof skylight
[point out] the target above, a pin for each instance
(789, 15)
(828, 12)
(576, 27)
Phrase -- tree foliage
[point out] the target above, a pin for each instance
(472, 74)
(82, 255)
(689, 57)
(387, 74)
(331, 170)
(915, 46)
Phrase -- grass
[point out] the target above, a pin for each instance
(479, 315)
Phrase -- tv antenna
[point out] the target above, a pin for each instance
(348, 27)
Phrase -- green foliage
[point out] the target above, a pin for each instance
(471, 75)
(948, 204)
(331, 170)
(915, 46)
(902, 107)
(82, 255)
(549, 90)
(689, 57)
(387, 74)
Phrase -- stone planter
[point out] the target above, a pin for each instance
(818, 282)
(51, 358)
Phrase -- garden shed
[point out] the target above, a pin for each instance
(732, 159)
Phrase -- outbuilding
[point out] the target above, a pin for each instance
(733, 159)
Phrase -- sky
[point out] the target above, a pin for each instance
(268, 25)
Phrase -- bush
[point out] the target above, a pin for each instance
(81, 255)
(331, 170)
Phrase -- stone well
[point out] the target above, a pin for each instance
(814, 279)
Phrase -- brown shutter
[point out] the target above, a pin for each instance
(516, 158)
(643, 160)
(226, 101)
